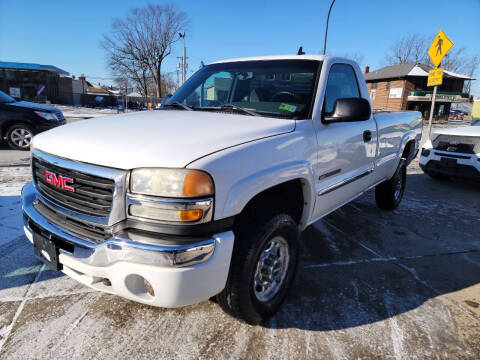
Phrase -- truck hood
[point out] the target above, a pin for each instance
(161, 138)
(460, 131)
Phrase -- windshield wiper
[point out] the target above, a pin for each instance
(239, 108)
(231, 107)
(179, 105)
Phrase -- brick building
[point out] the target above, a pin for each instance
(404, 87)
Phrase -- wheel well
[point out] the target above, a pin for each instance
(285, 198)
(409, 151)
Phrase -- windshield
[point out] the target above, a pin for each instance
(4, 98)
(276, 88)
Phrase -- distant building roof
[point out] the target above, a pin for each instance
(97, 90)
(408, 69)
(29, 66)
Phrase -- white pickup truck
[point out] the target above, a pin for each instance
(207, 196)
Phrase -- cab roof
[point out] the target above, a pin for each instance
(276, 57)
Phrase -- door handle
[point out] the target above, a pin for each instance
(367, 136)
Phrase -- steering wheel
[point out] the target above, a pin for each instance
(285, 96)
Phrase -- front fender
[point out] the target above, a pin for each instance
(248, 187)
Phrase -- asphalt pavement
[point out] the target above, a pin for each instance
(371, 284)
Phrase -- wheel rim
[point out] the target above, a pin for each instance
(398, 187)
(271, 269)
(21, 137)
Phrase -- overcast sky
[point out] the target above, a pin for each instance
(67, 34)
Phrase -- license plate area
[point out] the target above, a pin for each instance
(46, 251)
(448, 162)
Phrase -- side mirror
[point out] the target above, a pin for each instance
(165, 99)
(349, 109)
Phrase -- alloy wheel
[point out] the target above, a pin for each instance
(21, 137)
(271, 269)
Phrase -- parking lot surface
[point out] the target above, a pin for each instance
(371, 284)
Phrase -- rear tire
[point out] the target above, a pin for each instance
(19, 136)
(389, 194)
(262, 270)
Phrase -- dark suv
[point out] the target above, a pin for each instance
(21, 120)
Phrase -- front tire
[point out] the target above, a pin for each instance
(389, 194)
(262, 270)
(19, 136)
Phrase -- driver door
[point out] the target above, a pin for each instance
(346, 150)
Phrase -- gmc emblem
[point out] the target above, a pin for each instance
(59, 181)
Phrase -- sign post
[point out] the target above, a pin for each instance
(440, 46)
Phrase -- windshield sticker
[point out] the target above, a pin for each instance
(287, 107)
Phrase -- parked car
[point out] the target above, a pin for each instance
(207, 196)
(21, 120)
(453, 153)
(455, 115)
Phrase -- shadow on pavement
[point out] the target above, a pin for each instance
(18, 265)
(362, 265)
(359, 265)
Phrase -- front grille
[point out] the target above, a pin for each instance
(92, 195)
(459, 144)
(93, 233)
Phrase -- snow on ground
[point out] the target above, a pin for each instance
(84, 112)
(12, 180)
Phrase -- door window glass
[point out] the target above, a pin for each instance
(342, 83)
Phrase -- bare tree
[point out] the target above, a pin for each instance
(412, 48)
(138, 44)
(356, 56)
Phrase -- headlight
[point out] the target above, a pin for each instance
(172, 183)
(47, 115)
(174, 195)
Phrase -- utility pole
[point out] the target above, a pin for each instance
(326, 28)
(432, 109)
(184, 58)
(179, 66)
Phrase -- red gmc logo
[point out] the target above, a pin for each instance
(59, 181)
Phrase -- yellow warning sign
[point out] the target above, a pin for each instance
(441, 45)
(435, 77)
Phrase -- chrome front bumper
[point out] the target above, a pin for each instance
(125, 246)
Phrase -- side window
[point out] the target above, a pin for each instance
(341, 83)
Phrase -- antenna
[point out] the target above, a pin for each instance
(300, 51)
(326, 28)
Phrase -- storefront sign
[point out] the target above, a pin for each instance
(15, 92)
(395, 93)
(438, 98)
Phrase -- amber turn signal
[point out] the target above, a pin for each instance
(190, 215)
(197, 183)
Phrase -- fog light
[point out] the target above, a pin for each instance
(165, 214)
(425, 152)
